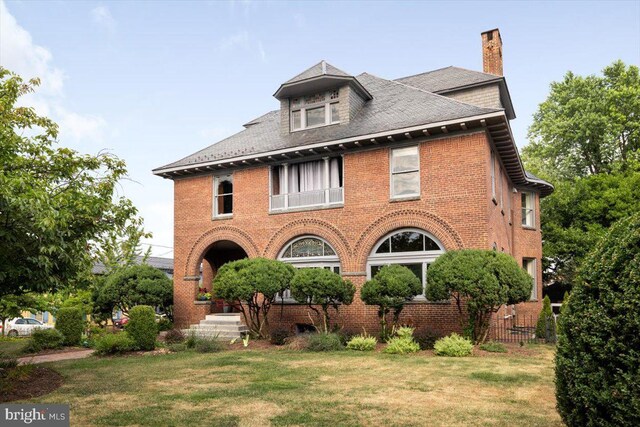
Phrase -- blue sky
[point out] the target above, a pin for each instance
(156, 81)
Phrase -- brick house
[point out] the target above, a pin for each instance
(356, 172)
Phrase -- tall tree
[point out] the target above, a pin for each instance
(587, 125)
(56, 205)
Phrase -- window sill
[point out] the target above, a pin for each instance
(197, 302)
(404, 199)
(221, 217)
(287, 302)
(306, 208)
(529, 228)
(423, 300)
(314, 127)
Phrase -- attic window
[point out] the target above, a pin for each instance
(315, 110)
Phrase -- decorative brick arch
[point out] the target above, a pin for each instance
(406, 218)
(204, 242)
(309, 226)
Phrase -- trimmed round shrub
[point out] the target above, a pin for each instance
(70, 322)
(454, 345)
(324, 342)
(43, 339)
(208, 346)
(117, 343)
(362, 343)
(493, 347)
(174, 336)
(598, 354)
(142, 327)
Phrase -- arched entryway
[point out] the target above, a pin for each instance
(218, 254)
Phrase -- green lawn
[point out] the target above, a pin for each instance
(13, 346)
(281, 387)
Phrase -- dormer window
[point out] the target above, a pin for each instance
(320, 109)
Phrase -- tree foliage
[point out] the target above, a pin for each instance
(587, 125)
(484, 280)
(317, 286)
(56, 205)
(546, 325)
(135, 285)
(252, 285)
(578, 213)
(598, 354)
(390, 289)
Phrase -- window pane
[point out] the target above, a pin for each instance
(430, 245)
(335, 113)
(306, 247)
(406, 184)
(328, 251)
(407, 241)
(225, 186)
(525, 200)
(225, 204)
(384, 248)
(336, 270)
(295, 120)
(315, 117)
(405, 159)
(375, 269)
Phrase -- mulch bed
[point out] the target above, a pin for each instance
(40, 381)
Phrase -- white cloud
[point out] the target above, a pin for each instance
(19, 54)
(236, 41)
(242, 41)
(101, 15)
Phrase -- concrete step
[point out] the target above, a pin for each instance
(220, 328)
(212, 335)
(217, 322)
(225, 317)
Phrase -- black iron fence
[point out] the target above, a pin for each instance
(522, 329)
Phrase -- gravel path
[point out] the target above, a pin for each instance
(55, 357)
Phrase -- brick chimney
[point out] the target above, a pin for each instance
(492, 52)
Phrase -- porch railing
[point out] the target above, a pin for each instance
(327, 196)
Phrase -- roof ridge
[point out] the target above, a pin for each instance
(435, 94)
(424, 72)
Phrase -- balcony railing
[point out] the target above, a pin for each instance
(326, 197)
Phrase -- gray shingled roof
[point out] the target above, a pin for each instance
(164, 264)
(320, 69)
(394, 106)
(446, 79)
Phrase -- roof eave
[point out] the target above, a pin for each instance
(301, 87)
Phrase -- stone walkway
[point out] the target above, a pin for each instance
(55, 357)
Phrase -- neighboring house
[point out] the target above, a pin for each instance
(164, 264)
(356, 172)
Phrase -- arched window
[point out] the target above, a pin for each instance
(412, 248)
(309, 252)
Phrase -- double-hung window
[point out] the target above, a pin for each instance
(223, 196)
(307, 184)
(405, 172)
(320, 109)
(528, 210)
(529, 264)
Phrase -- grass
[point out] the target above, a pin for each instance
(284, 388)
(13, 346)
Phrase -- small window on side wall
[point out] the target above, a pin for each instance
(529, 264)
(405, 172)
(223, 196)
(528, 210)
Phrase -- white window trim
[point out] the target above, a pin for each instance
(330, 261)
(392, 174)
(216, 179)
(533, 262)
(531, 199)
(418, 257)
(302, 108)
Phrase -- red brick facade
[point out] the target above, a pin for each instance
(455, 205)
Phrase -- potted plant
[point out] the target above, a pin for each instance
(203, 295)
